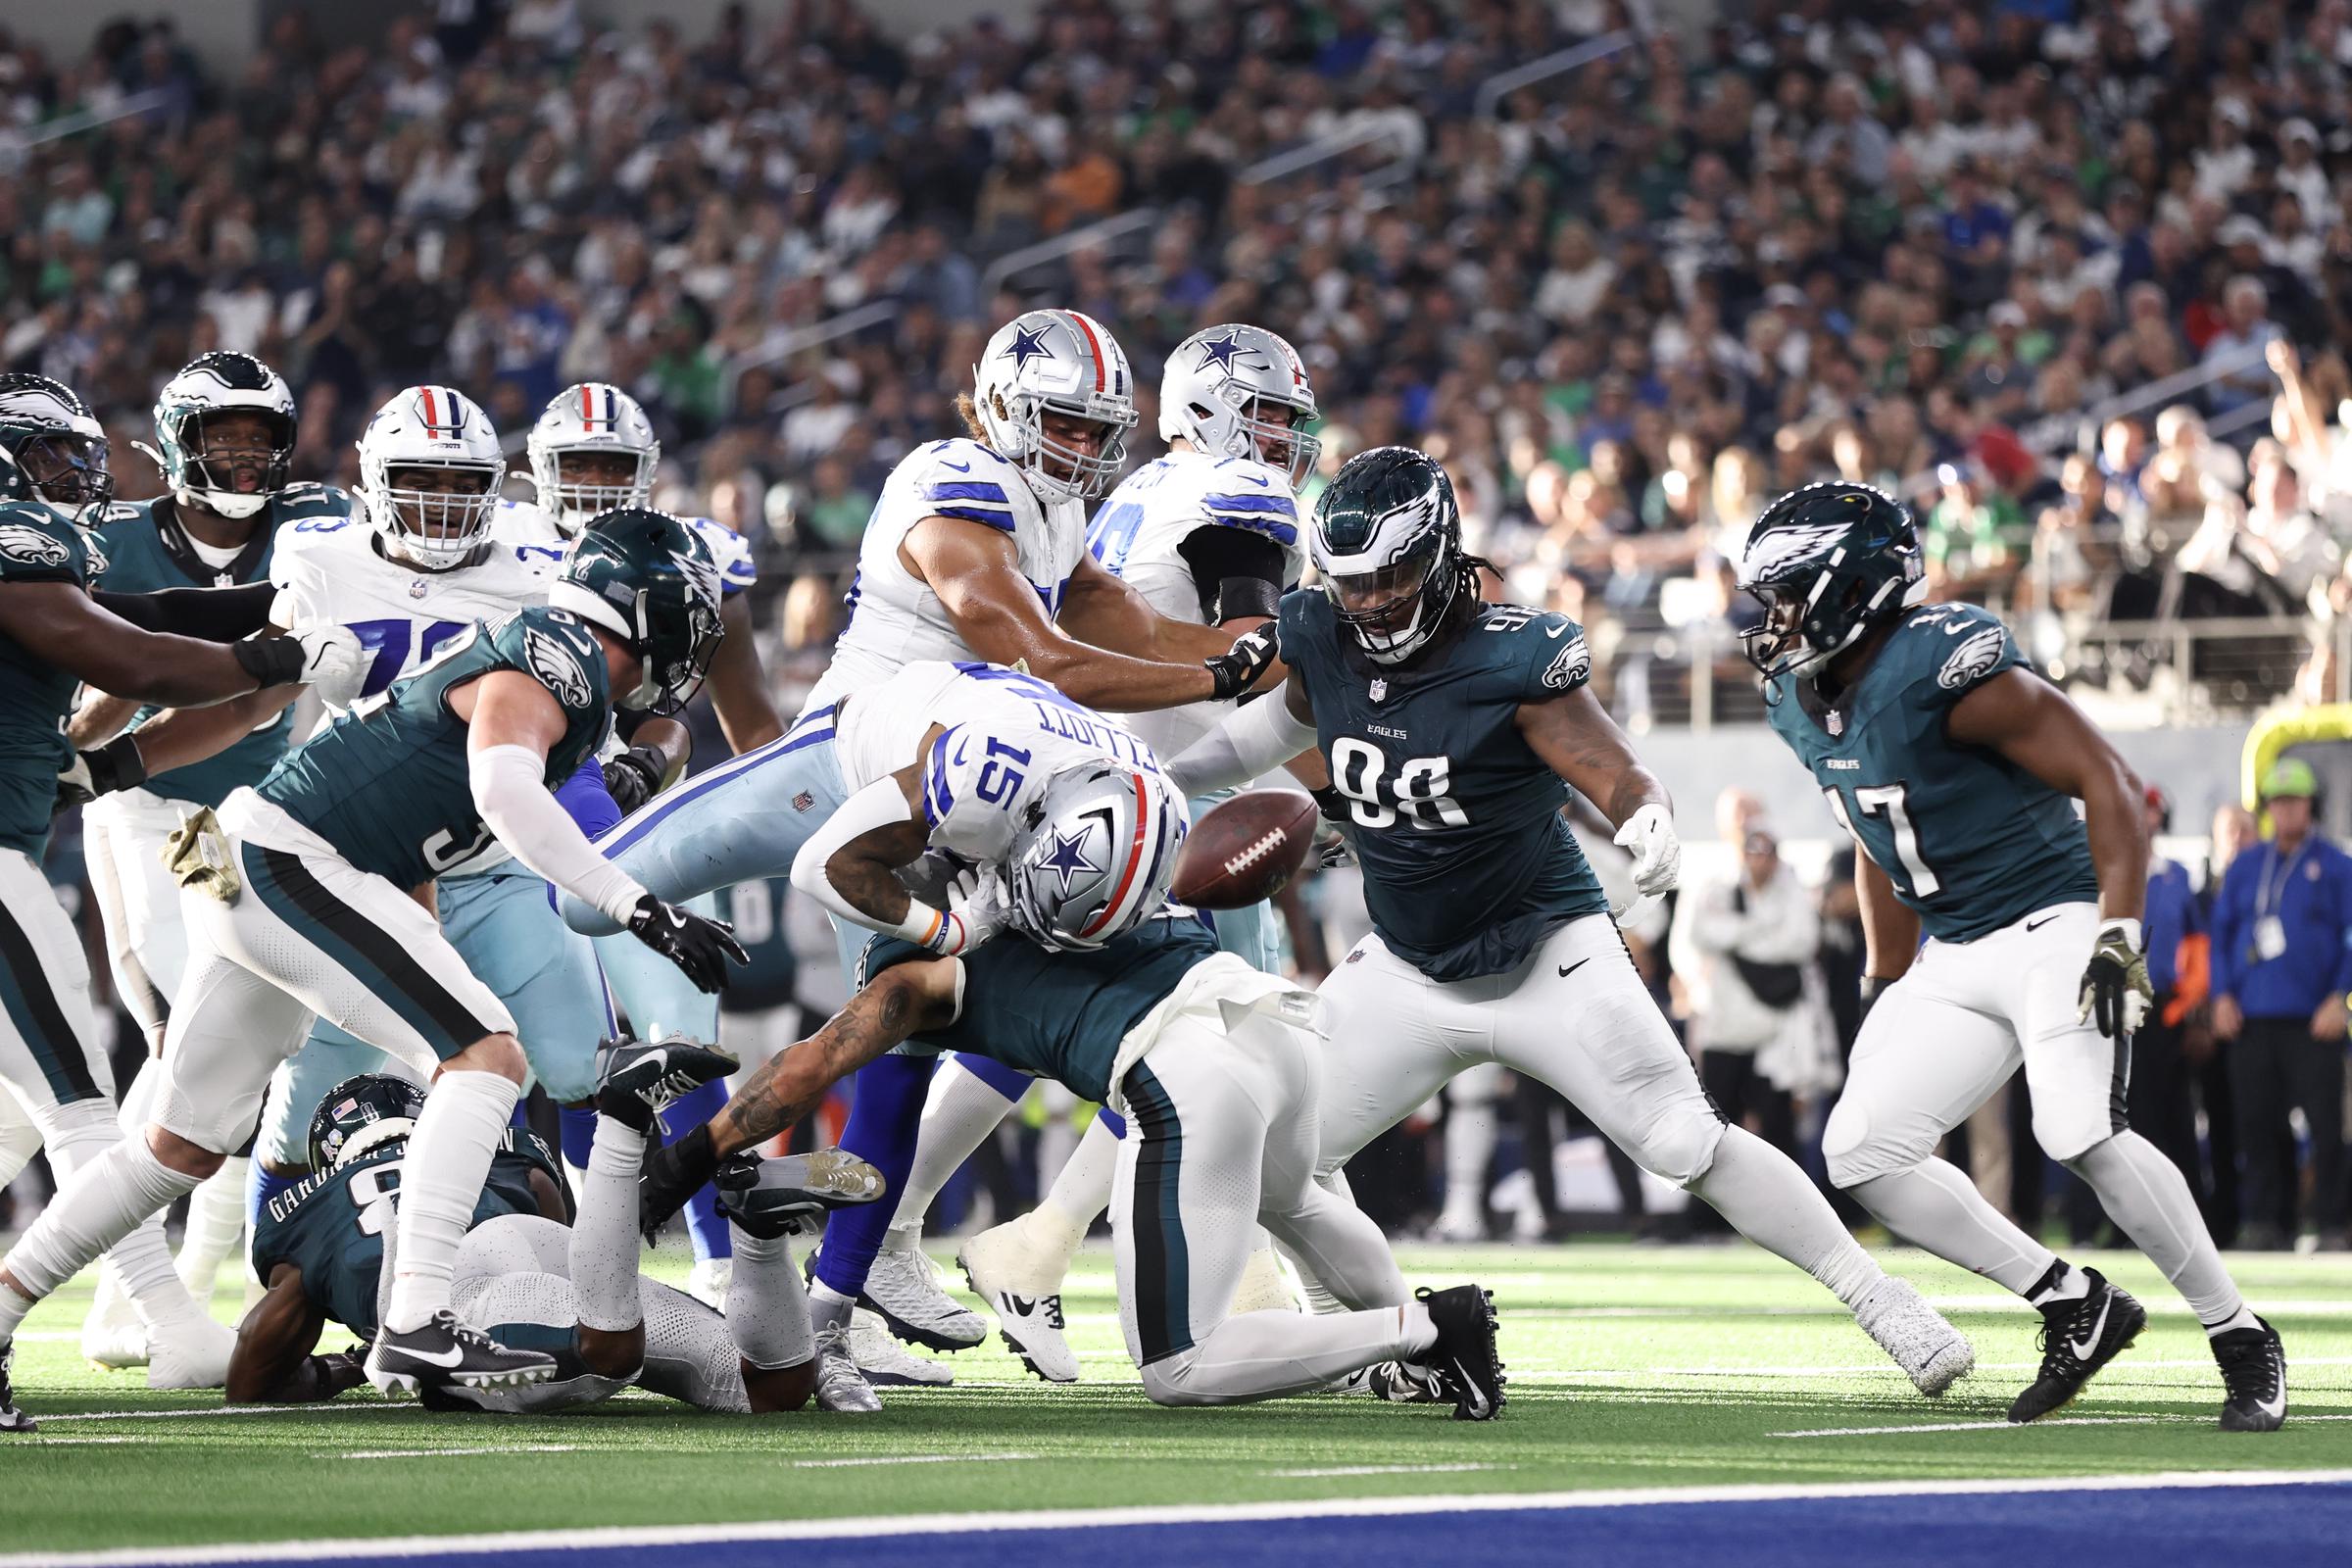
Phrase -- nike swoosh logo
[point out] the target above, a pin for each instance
(1568, 969)
(1557, 632)
(1477, 1396)
(2274, 1408)
(1257, 479)
(1021, 1304)
(2036, 925)
(448, 1357)
(959, 467)
(2080, 1349)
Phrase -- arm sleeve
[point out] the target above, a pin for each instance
(1217, 555)
(880, 803)
(1254, 738)
(214, 614)
(516, 805)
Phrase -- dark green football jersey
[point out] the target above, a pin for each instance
(332, 1225)
(147, 550)
(1468, 864)
(1969, 839)
(1060, 1015)
(387, 784)
(36, 545)
(756, 910)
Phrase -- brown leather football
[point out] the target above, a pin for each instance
(1243, 850)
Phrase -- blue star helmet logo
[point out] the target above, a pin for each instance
(1069, 860)
(1028, 343)
(1220, 353)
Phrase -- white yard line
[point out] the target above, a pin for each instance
(1389, 1469)
(2152, 1418)
(905, 1458)
(446, 1454)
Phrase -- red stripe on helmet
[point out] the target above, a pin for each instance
(587, 405)
(432, 416)
(1094, 346)
(1135, 861)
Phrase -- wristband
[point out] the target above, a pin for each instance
(2128, 929)
(116, 765)
(936, 930)
(270, 660)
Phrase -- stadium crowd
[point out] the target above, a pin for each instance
(2066, 275)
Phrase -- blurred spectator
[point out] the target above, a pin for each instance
(2161, 1106)
(1756, 934)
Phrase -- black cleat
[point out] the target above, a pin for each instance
(1465, 1359)
(636, 1080)
(2078, 1337)
(12, 1419)
(448, 1349)
(2254, 1370)
(772, 1198)
(1396, 1383)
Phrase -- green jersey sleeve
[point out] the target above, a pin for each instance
(36, 545)
(563, 654)
(1549, 646)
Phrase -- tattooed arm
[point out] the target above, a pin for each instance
(1575, 737)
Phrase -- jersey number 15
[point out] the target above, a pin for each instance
(1358, 770)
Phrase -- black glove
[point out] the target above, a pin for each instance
(116, 765)
(700, 946)
(634, 777)
(1873, 987)
(1237, 671)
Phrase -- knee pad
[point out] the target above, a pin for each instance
(77, 1133)
(1168, 1380)
(1681, 1147)
(2070, 1138)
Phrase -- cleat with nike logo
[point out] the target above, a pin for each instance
(903, 1290)
(637, 1080)
(448, 1349)
(2078, 1337)
(1465, 1359)
(772, 1198)
(1008, 1274)
(1932, 1353)
(2254, 1371)
(1395, 1382)
(12, 1419)
(886, 1363)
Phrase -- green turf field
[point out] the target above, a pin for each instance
(1631, 1367)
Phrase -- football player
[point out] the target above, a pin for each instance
(976, 552)
(297, 898)
(1956, 768)
(1210, 1061)
(1454, 732)
(57, 631)
(1208, 534)
(225, 431)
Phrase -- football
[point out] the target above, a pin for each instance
(1245, 849)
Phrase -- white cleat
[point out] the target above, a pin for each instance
(191, 1355)
(903, 1289)
(1930, 1351)
(885, 1363)
(1264, 1287)
(840, 1386)
(997, 1263)
(707, 1281)
(113, 1341)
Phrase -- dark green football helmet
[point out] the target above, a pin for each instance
(649, 581)
(361, 1112)
(52, 448)
(1828, 562)
(1388, 547)
(209, 387)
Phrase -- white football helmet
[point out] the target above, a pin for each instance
(1095, 857)
(1063, 363)
(432, 427)
(1218, 387)
(215, 383)
(591, 419)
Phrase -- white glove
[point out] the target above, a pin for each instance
(978, 899)
(334, 663)
(1648, 836)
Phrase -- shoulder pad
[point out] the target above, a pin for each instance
(961, 478)
(732, 551)
(1241, 493)
(1949, 649)
(36, 541)
(556, 648)
(312, 501)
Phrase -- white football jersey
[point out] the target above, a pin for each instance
(1137, 534)
(525, 523)
(1006, 736)
(894, 618)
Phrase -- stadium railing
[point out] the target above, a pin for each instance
(13, 144)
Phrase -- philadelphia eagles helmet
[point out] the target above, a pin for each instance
(361, 1113)
(207, 389)
(649, 581)
(1827, 563)
(1388, 547)
(52, 448)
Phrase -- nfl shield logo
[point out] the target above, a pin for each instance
(416, 588)
(1380, 688)
(1835, 722)
(803, 800)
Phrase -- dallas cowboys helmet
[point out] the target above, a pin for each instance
(1093, 856)
(427, 429)
(1238, 391)
(590, 421)
(651, 581)
(1828, 562)
(206, 388)
(1388, 546)
(52, 448)
(1055, 361)
(361, 1113)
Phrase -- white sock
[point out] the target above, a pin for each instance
(1932, 1205)
(139, 1105)
(2149, 1198)
(1262, 1356)
(215, 1219)
(1081, 1190)
(958, 1114)
(767, 1306)
(99, 1206)
(2071, 1285)
(1773, 1204)
(827, 1306)
(1470, 1138)
(465, 1115)
(604, 1234)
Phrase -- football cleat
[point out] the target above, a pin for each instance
(448, 1349)
(1932, 1353)
(840, 1386)
(707, 1281)
(1465, 1357)
(636, 1080)
(112, 1339)
(772, 1198)
(996, 1263)
(193, 1354)
(12, 1419)
(2078, 1337)
(903, 1290)
(1395, 1382)
(885, 1363)
(2254, 1371)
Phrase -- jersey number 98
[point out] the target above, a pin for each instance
(1359, 771)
